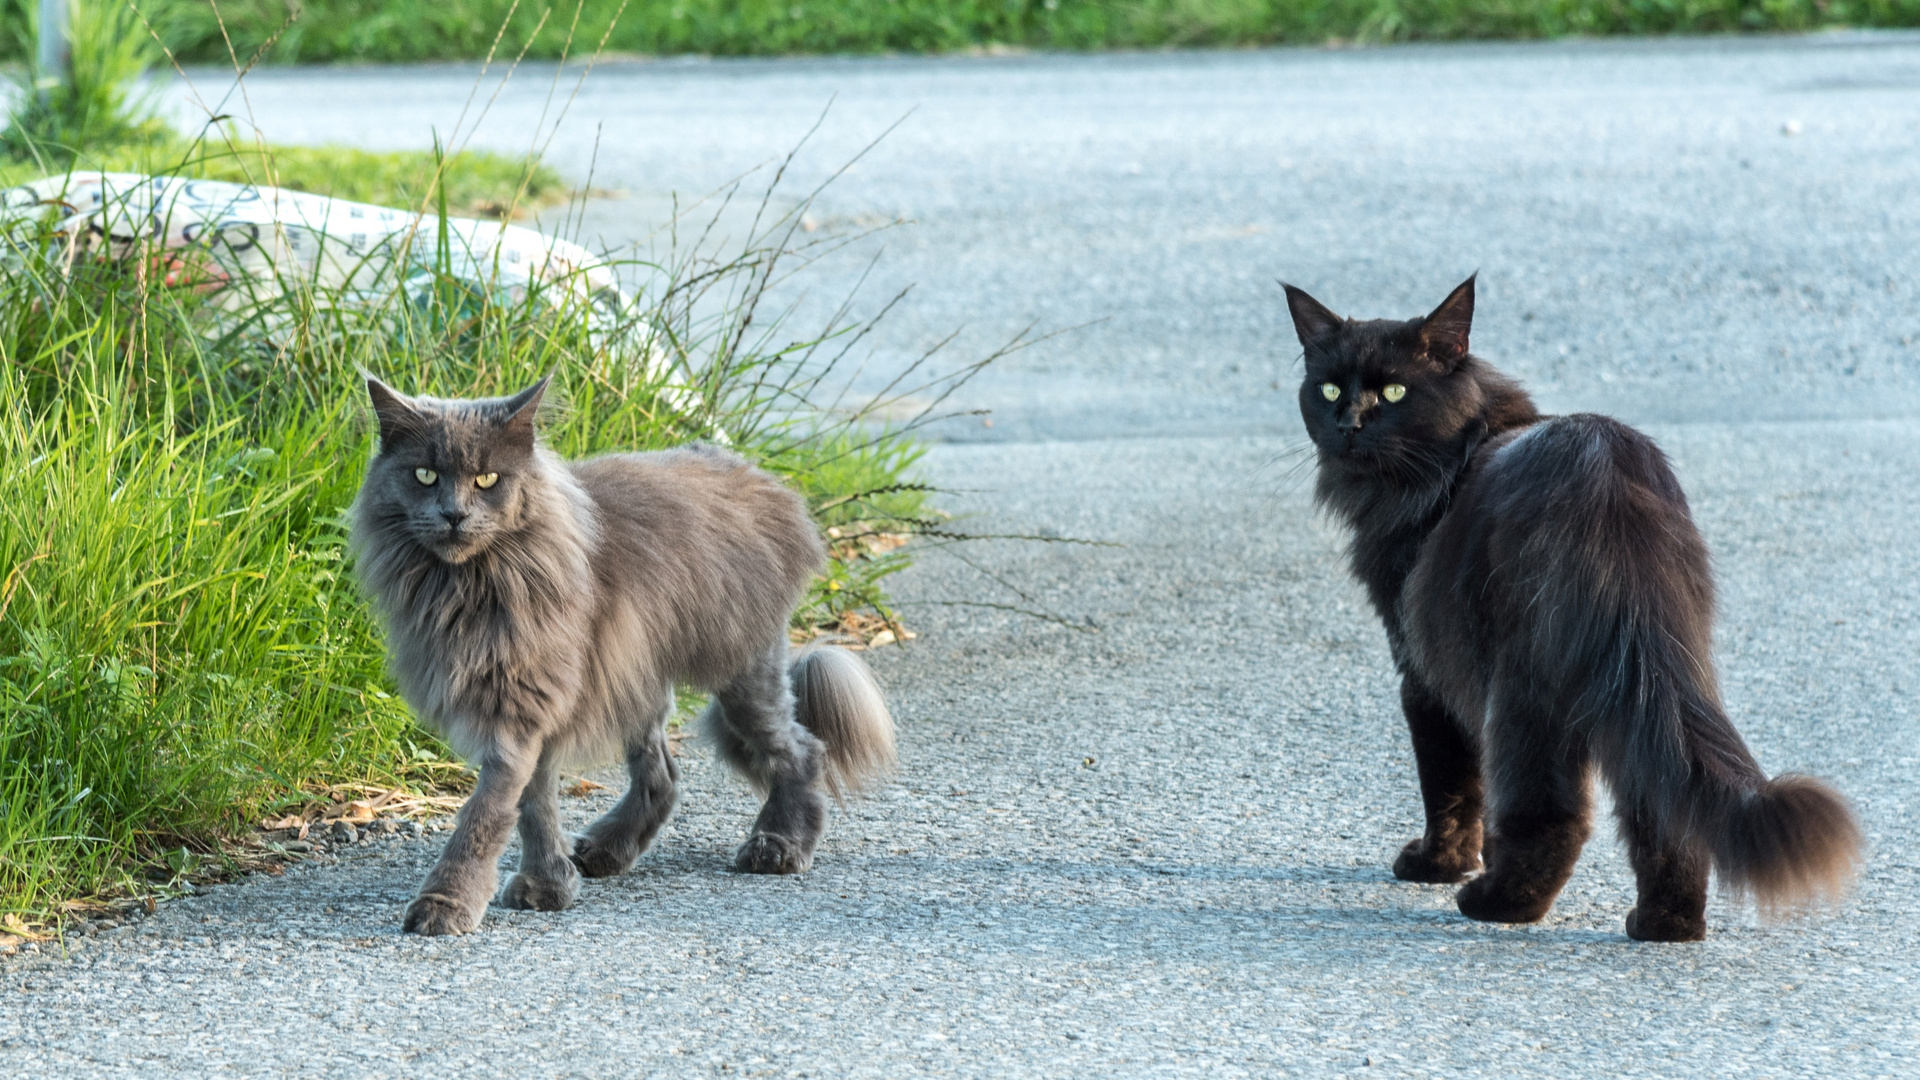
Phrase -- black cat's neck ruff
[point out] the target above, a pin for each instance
(1394, 479)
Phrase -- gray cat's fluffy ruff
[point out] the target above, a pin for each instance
(540, 612)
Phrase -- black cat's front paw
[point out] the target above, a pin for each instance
(1487, 899)
(437, 916)
(767, 853)
(554, 891)
(1643, 925)
(1420, 862)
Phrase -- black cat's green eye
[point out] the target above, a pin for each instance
(486, 480)
(1393, 391)
(426, 476)
(1329, 391)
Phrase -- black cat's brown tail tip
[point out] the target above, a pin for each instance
(836, 698)
(1791, 845)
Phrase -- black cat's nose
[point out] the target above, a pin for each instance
(453, 516)
(1359, 409)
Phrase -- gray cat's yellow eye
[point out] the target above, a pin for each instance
(486, 479)
(1329, 391)
(1393, 391)
(426, 476)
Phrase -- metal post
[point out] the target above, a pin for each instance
(55, 59)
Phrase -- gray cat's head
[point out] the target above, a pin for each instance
(452, 476)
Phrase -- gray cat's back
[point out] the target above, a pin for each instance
(706, 493)
(695, 530)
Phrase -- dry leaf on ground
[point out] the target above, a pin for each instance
(856, 630)
(17, 927)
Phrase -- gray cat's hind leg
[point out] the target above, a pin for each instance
(612, 844)
(547, 880)
(752, 723)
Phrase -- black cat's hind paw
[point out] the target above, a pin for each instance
(1665, 926)
(1419, 863)
(767, 853)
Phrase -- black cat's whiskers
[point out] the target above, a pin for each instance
(1296, 457)
(1418, 465)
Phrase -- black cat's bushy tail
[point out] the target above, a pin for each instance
(1616, 587)
(1788, 842)
(836, 698)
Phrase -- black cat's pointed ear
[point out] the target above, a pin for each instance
(1444, 333)
(1311, 319)
(398, 418)
(522, 409)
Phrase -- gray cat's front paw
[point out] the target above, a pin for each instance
(437, 916)
(594, 860)
(767, 853)
(552, 892)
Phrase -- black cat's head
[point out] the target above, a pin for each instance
(1387, 398)
(452, 476)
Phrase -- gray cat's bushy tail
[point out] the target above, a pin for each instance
(836, 698)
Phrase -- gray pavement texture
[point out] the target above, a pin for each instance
(1157, 844)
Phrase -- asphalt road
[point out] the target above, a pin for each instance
(1157, 844)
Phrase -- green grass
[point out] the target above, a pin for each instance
(398, 30)
(99, 119)
(477, 183)
(181, 648)
(97, 104)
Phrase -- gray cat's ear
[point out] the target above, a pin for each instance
(522, 410)
(1444, 333)
(396, 414)
(1311, 319)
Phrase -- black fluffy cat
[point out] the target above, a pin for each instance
(1549, 605)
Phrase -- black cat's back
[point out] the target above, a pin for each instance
(1567, 597)
(1562, 536)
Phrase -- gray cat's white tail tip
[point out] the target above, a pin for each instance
(837, 699)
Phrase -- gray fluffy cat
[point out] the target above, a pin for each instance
(539, 613)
